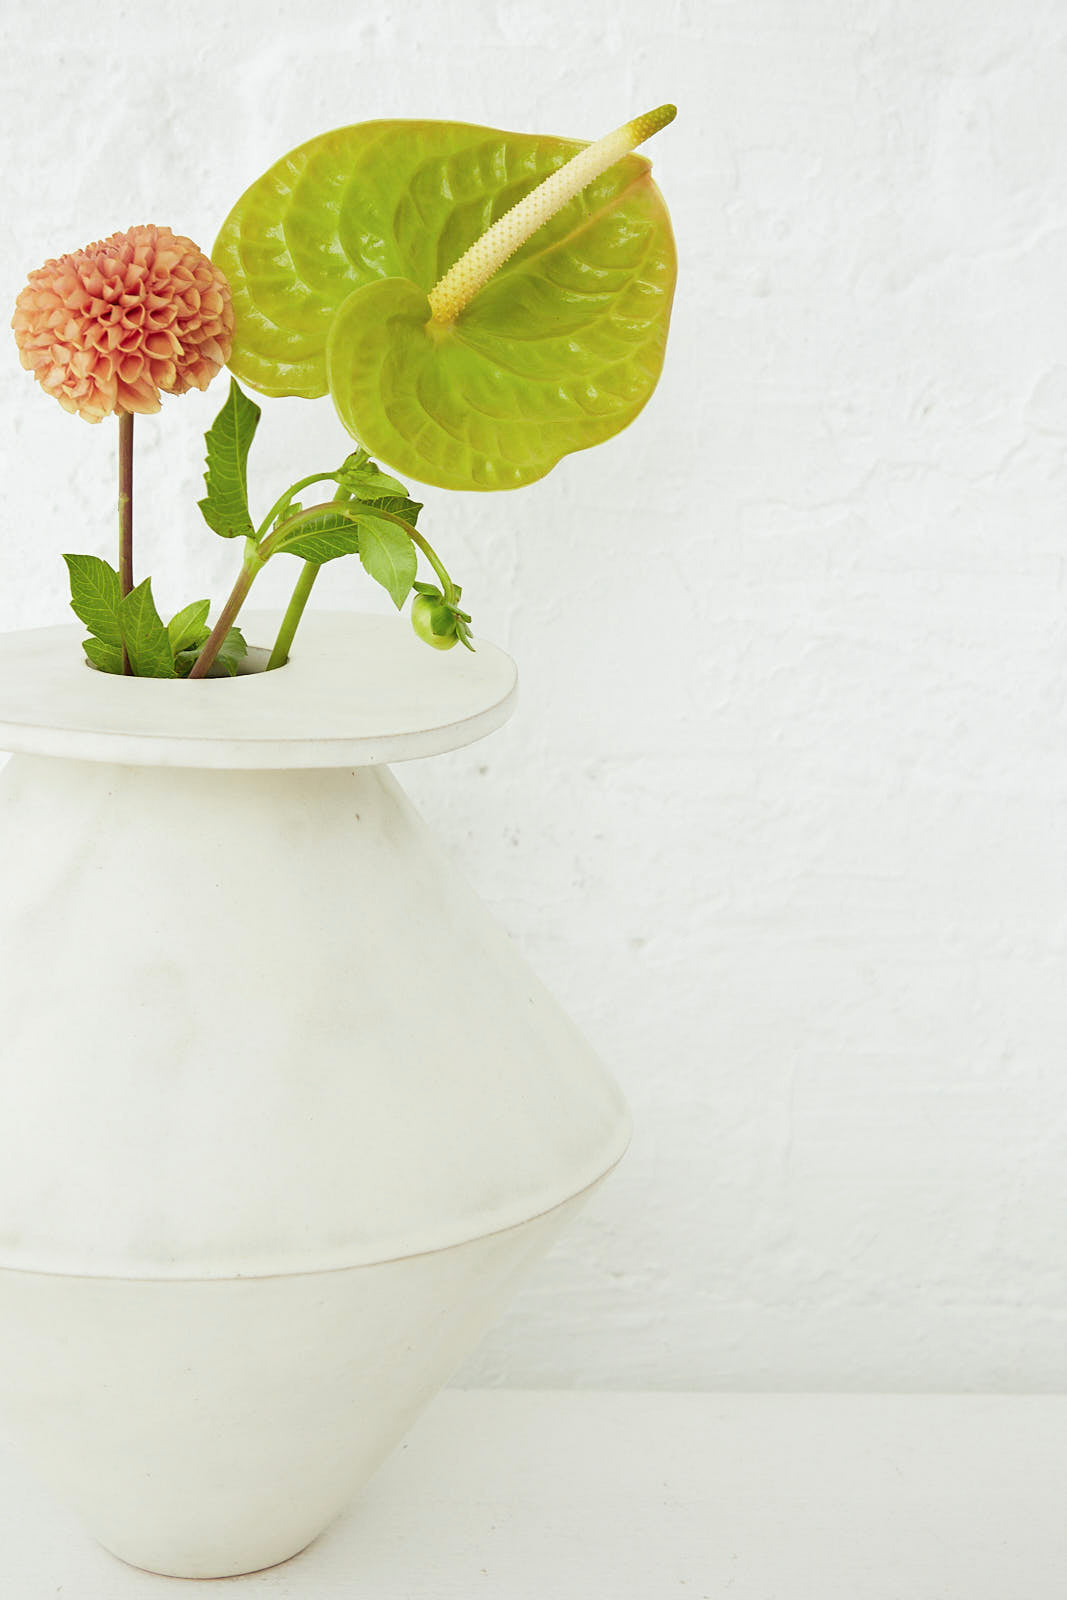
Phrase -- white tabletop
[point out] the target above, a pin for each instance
(507, 1495)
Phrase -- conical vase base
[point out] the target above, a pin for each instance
(207, 1429)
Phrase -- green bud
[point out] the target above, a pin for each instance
(433, 621)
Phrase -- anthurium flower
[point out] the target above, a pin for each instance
(545, 335)
(107, 328)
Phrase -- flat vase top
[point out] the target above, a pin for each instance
(358, 690)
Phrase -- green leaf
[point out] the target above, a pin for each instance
(145, 637)
(233, 650)
(322, 547)
(388, 556)
(225, 507)
(363, 479)
(95, 596)
(400, 506)
(340, 532)
(189, 626)
(231, 653)
(332, 253)
(323, 538)
(105, 657)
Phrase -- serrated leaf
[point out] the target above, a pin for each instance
(331, 256)
(144, 634)
(338, 533)
(322, 538)
(323, 547)
(189, 626)
(95, 595)
(105, 657)
(400, 506)
(225, 507)
(388, 555)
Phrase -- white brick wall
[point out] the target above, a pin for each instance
(782, 814)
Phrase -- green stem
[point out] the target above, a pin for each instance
(206, 659)
(126, 515)
(424, 545)
(304, 585)
(270, 544)
(282, 500)
(260, 554)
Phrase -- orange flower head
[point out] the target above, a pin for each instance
(107, 328)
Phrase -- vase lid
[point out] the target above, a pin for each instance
(358, 690)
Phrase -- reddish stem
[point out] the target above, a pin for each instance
(126, 514)
(206, 659)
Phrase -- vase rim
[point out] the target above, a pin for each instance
(358, 690)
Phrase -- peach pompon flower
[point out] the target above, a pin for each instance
(108, 327)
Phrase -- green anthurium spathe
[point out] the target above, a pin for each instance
(477, 303)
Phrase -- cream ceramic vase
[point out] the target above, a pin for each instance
(283, 1115)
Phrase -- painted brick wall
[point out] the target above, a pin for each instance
(781, 816)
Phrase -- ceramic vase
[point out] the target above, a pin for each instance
(284, 1116)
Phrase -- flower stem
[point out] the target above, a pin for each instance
(448, 587)
(282, 501)
(270, 544)
(306, 581)
(126, 515)
(304, 585)
(228, 616)
(259, 554)
(487, 255)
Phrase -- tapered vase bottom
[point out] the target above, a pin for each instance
(206, 1429)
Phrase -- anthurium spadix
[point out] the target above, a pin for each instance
(477, 303)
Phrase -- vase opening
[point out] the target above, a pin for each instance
(249, 666)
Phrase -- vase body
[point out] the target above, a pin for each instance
(283, 1117)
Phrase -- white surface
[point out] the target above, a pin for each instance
(256, 1029)
(206, 1429)
(279, 1033)
(356, 691)
(652, 1497)
(781, 816)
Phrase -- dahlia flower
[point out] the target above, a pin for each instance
(106, 328)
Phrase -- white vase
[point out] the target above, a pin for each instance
(283, 1115)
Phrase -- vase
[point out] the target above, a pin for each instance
(284, 1116)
